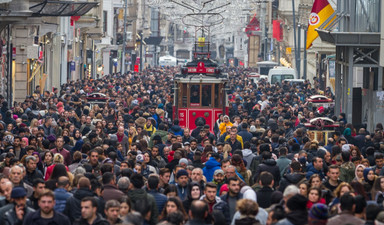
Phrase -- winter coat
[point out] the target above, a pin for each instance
(10, 217)
(248, 157)
(210, 167)
(264, 197)
(35, 219)
(311, 170)
(177, 130)
(221, 206)
(247, 221)
(288, 179)
(247, 136)
(112, 192)
(162, 133)
(61, 196)
(137, 195)
(295, 218)
(73, 206)
(347, 172)
(283, 163)
(98, 221)
(270, 166)
(160, 199)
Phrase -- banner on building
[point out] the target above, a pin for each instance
(321, 11)
(277, 30)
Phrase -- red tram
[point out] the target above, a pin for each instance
(200, 91)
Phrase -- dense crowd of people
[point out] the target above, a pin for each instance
(65, 160)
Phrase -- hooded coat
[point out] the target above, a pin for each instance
(210, 167)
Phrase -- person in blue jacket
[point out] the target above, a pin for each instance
(211, 165)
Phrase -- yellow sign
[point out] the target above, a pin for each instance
(288, 50)
(201, 42)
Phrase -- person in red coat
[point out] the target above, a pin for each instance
(314, 196)
(64, 152)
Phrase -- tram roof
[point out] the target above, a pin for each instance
(201, 78)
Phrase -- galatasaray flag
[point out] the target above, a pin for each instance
(321, 11)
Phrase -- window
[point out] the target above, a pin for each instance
(281, 77)
(105, 21)
(207, 95)
(195, 95)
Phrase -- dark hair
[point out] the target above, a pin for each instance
(58, 171)
(137, 180)
(371, 212)
(345, 155)
(346, 202)
(91, 199)
(153, 182)
(107, 177)
(232, 179)
(278, 213)
(266, 178)
(170, 188)
(38, 181)
(361, 203)
(210, 185)
(247, 145)
(179, 205)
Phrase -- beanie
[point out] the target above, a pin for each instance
(181, 173)
(319, 211)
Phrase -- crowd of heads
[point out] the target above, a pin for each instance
(124, 159)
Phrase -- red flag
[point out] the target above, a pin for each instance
(277, 31)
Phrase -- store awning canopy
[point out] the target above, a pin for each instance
(62, 8)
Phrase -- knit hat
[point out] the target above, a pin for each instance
(183, 160)
(224, 187)
(297, 202)
(181, 173)
(18, 192)
(319, 211)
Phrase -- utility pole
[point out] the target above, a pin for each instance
(122, 66)
(141, 51)
(298, 66)
(294, 32)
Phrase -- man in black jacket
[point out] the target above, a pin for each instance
(46, 212)
(89, 215)
(19, 210)
(269, 165)
(73, 205)
(265, 193)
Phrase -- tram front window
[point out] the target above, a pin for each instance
(206, 96)
(195, 96)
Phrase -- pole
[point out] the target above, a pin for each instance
(305, 54)
(299, 51)
(294, 31)
(122, 66)
(141, 51)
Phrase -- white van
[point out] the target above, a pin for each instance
(255, 77)
(280, 73)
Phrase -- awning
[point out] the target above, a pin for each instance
(61, 8)
(153, 40)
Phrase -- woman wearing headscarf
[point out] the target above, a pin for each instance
(359, 173)
(194, 193)
(369, 180)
